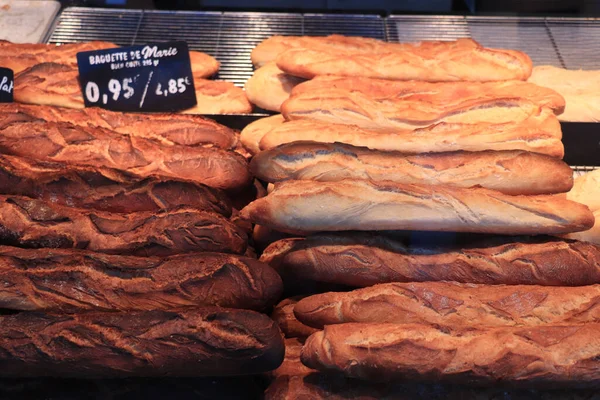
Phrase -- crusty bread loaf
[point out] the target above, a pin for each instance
(540, 132)
(440, 61)
(283, 314)
(58, 85)
(141, 157)
(291, 366)
(365, 259)
(555, 355)
(20, 56)
(26, 222)
(586, 190)
(103, 189)
(307, 206)
(252, 134)
(168, 129)
(269, 87)
(581, 90)
(510, 172)
(453, 305)
(380, 103)
(204, 341)
(592, 235)
(123, 283)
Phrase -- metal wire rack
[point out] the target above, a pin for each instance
(578, 170)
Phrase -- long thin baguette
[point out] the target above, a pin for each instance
(205, 341)
(64, 143)
(168, 129)
(510, 172)
(269, 87)
(125, 283)
(364, 259)
(104, 190)
(441, 61)
(453, 305)
(592, 235)
(558, 355)
(283, 314)
(291, 366)
(539, 132)
(252, 134)
(33, 223)
(58, 85)
(378, 103)
(306, 206)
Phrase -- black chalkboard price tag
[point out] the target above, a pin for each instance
(152, 77)
(7, 80)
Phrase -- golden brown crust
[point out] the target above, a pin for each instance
(380, 103)
(441, 61)
(283, 315)
(269, 87)
(592, 235)
(510, 172)
(555, 355)
(453, 305)
(291, 366)
(219, 97)
(306, 206)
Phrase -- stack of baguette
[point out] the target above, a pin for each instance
(119, 251)
(48, 75)
(394, 169)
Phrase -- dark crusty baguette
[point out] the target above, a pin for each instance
(69, 280)
(307, 206)
(27, 222)
(511, 172)
(103, 189)
(554, 355)
(335, 387)
(283, 314)
(25, 136)
(365, 259)
(374, 103)
(539, 132)
(453, 305)
(291, 366)
(433, 61)
(188, 130)
(205, 341)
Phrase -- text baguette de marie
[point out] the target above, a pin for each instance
(144, 54)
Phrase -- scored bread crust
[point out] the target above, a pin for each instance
(510, 172)
(553, 355)
(269, 87)
(305, 206)
(370, 102)
(453, 305)
(539, 132)
(432, 61)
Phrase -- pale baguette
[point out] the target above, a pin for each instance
(252, 134)
(592, 235)
(510, 172)
(439, 61)
(586, 190)
(408, 105)
(269, 87)
(555, 355)
(306, 206)
(453, 305)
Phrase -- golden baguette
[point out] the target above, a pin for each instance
(374, 103)
(306, 206)
(511, 172)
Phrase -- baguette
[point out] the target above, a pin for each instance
(168, 129)
(364, 259)
(378, 103)
(33, 223)
(540, 132)
(252, 134)
(579, 88)
(104, 190)
(592, 235)
(291, 366)
(453, 305)
(306, 206)
(205, 341)
(435, 61)
(125, 283)
(269, 87)
(140, 157)
(283, 315)
(18, 56)
(548, 356)
(58, 85)
(586, 190)
(510, 172)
